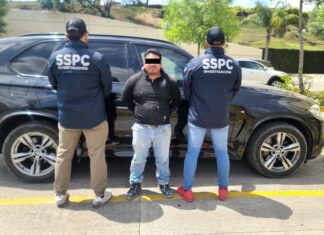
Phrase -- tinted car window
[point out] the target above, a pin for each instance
(250, 65)
(245, 64)
(116, 55)
(33, 60)
(173, 63)
(265, 63)
(256, 66)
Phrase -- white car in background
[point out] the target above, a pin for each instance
(260, 72)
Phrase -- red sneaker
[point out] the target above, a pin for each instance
(185, 194)
(222, 194)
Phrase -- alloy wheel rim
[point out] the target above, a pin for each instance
(280, 152)
(34, 154)
(276, 84)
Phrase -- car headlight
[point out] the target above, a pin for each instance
(316, 111)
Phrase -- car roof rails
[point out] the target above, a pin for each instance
(97, 35)
(41, 34)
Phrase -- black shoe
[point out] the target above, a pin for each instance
(166, 190)
(134, 191)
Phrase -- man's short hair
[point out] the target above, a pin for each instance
(152, 51)
(75, 29)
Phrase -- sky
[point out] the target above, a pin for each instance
(242, 3)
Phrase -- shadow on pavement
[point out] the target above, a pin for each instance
(118, 175)
(143, 211)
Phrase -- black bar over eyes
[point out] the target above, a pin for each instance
(152, 61)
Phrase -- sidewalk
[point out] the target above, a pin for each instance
(316, 80)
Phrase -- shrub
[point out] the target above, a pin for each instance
(289, 84)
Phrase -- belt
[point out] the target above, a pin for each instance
(151, 126)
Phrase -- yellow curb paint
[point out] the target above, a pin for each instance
(159, 197)
(26, 201)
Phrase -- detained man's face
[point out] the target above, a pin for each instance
(152, 64)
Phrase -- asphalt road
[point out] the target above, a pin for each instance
(257, 205)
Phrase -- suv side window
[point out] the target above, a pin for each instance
(116, 54)
(251, 65)
(33, 60)
(245, 64)
(173, 63)
(257, 66)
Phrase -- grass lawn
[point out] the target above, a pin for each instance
(255, 36)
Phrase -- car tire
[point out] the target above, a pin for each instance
(276, 149)
(30, 151)
(276, 82)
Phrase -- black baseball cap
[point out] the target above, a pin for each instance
(215, 36)
(76, 25)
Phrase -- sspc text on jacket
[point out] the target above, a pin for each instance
(82, 79)
(211, 82)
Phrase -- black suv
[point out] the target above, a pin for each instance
(274, 129)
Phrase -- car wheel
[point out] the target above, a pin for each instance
(276, 82)
(30, 151)
(276, 149)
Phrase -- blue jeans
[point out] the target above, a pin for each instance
(143, 137)
(196, 137)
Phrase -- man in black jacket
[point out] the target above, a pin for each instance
(152, 96)
(82, 79)
(211, 82)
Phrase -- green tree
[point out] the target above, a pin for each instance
(46, 4)
(318, 3)
(292, 19)
(279, 22)
(272, 20)
(189, 20)
(265, 15)
(104, 10)
(3, 12)
(63, 6)
(316, 23)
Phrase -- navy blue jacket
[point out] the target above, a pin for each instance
(82, 79)
(211, 82)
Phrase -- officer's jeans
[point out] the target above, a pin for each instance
(143, 137)
(196, 137)
(68, 139)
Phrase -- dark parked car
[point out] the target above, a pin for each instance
(274, 129)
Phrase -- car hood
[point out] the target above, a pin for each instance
(262, 101)
(274, 92)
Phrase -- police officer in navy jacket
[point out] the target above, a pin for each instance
(82, 80)
(211, 82)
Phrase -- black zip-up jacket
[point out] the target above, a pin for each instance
(211, 83)
(151, 101)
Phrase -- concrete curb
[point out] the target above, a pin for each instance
(158, 197)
